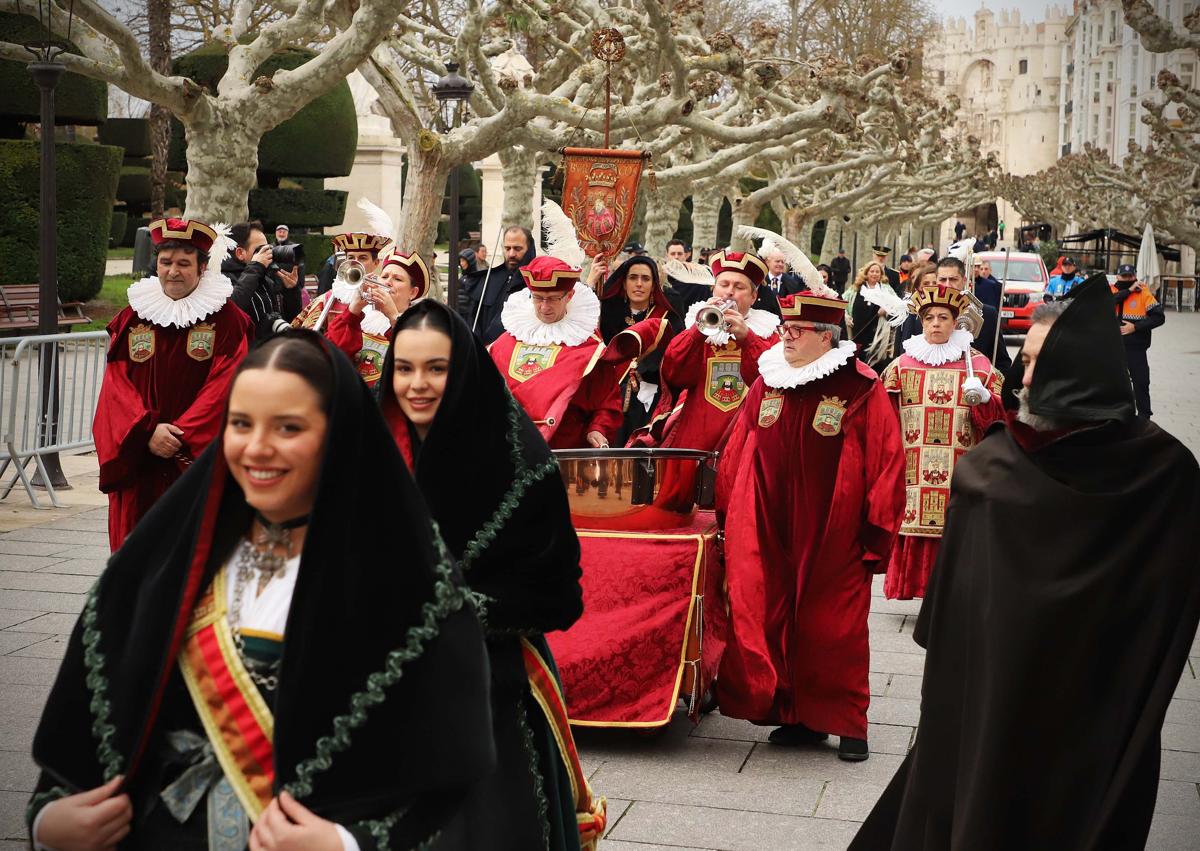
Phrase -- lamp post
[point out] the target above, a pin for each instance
(46, 71)
(452, 91)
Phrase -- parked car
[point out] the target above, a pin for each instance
(1025, 288)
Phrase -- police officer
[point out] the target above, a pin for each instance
(1139, 313)
(1061, 284)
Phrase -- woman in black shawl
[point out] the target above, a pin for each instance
(179, 714)
(633, 294)
(494, 489)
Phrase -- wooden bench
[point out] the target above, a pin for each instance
(19, 309)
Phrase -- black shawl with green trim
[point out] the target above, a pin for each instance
(382, 704)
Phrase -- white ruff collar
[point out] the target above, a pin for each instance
(778, 373)
(149, 302)
(936, 354)
(761, 322)
(583, 316)
(374, 322)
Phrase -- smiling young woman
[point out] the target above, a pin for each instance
(496, 494)
(195, 724)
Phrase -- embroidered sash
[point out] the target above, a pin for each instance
(235, 716)
(590, 811)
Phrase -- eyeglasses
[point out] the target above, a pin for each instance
(793, 332)
(547, 299)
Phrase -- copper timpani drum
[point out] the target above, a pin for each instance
(626, 489)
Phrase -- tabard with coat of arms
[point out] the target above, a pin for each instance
(723, 385)
(141, 343)
(529, 360)
(200, 340)
(936, 429)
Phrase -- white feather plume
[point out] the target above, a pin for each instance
(222, 246)
(884, 296)
(792, 254)
(689, 273)
(379, 222)
(962, 250)
(562, 241)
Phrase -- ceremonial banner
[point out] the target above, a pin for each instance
(653, 625)
(599, 194)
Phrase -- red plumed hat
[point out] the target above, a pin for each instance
(810, 307)
(546, 274)
(750, 265)
(195, 233)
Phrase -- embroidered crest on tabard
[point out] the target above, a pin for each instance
(200, 341)
(369, 359)
(141, 343)
(724, 388)
(769, 410)
(827, 421)
(529, 360)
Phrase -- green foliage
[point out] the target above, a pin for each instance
(87, 188)
(116, 230)
(133, 188)
(132, 134)
(317, 248)
(318, 141)
(1050, 249)
(298, 208)
(470, 205)
(77, 100)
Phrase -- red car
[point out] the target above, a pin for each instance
(1025, 288)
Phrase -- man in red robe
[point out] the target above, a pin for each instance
(810, 492)
(705, 374)
(171, 356)
(550, 355)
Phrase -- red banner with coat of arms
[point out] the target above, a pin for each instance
(599, 195)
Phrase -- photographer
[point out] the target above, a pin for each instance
(267, 293)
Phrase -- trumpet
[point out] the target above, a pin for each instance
(710, 318)
(350, 274)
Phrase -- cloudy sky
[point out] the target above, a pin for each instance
(1031, 10)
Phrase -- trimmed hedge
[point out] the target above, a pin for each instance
(317, 248)
(116, 230)
(318, 141)
(132, 134)
(77, 100)
(87, 188)
(298, 208)
(132, 223)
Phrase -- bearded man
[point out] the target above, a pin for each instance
(1059, 616)
(171, 355)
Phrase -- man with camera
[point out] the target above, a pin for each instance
(266, 289)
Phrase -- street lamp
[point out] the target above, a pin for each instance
(452, 92)
(46, 71)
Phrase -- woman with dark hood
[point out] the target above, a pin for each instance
(182, 719)
(633, 294)
(495, 491)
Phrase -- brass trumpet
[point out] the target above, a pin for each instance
(971, 321)
(710, 319)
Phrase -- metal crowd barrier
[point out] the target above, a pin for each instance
(49, 387)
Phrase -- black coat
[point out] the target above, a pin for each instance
(840, 268)
(789, 284)
(500, 282)
(1056, 626)
(495, 491)
(260, 296)
(354, 615)
(988, 291)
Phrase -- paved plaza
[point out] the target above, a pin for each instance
(719, 785)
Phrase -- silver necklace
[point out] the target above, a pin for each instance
(259, 556)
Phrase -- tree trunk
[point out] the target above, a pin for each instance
(519, 171)
(424, 189)
(662, 220)
(158, 14)
(222, 152)
(706, 215)
(745, 213)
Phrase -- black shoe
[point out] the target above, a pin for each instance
(853, 750)
(795, 734)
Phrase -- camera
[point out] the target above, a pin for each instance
(287, 256)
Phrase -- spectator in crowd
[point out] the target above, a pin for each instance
(959, 231)
(677, 250)
(281, 234)
(480, 256)
(266, 293)
(781, 281)
(1062, 283)
(841, 271)
(905, 269)
(484, 292)
(881, 253)
(1000, 228)
(466, 261)
(987, 288)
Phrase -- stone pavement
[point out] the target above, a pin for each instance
(716, 786)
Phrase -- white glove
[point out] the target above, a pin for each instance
(975, 384)
(646, 393)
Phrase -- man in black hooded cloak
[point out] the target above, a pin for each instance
(1062, 608)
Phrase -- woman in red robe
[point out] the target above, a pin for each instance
(809, 492)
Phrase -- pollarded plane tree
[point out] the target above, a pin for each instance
(223, 127)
